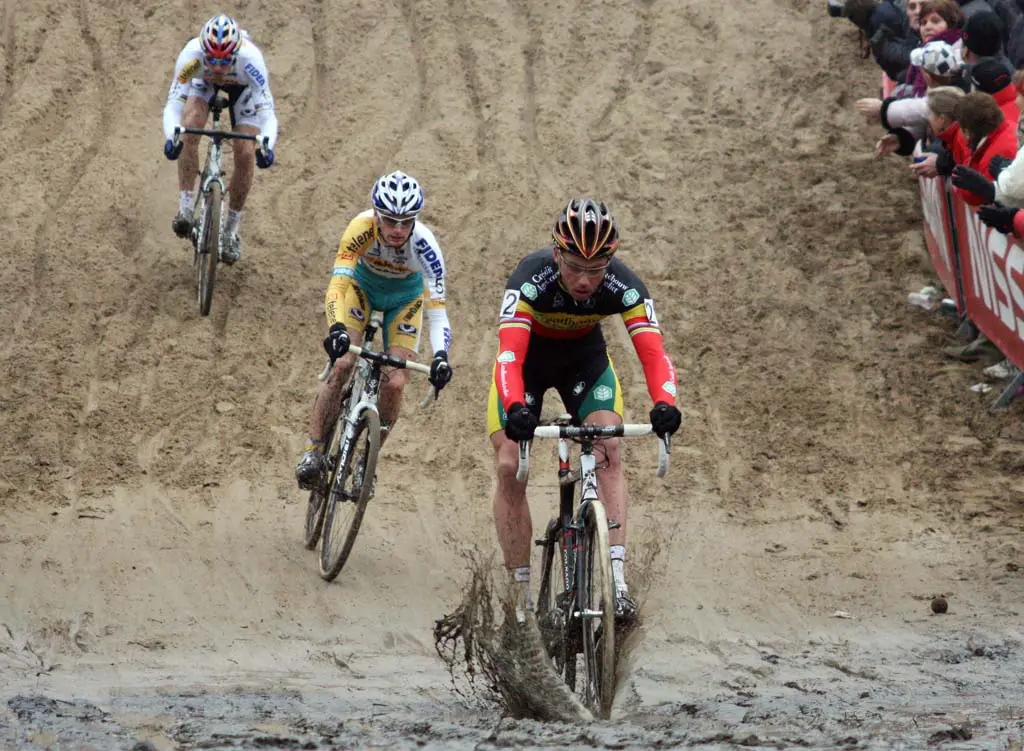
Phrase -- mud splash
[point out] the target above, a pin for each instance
(494, 659)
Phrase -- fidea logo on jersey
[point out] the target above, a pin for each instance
(997, 266)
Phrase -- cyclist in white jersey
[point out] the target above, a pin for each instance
(221, 58)
(389, 261)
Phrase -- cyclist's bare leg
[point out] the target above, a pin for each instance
(325, 407)
(194, 116)
(511, 511)
(611, 480)
(244, 153)
(391, 388)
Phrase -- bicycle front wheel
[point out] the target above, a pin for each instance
(597, 609)
(553, 605)
(348, 493)
(316, 506)
(208, 249)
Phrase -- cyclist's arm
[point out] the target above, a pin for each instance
(255, 68)
(357, 238)
(515, 322)
(185, 69)
(431, 262)
(642, 325)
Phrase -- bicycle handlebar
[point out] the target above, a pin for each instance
(222, 134)
(383, 358)
(592, 431)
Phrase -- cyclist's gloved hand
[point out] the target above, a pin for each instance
(440, 370)
(264, 155)
(337, 341)
(520, 422)
(998, 217)
(171, 150)
(665, 419)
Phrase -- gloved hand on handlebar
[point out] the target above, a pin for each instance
(520, 422)
(173, 150)
(665, 419)
(440, 370)
(337, 342)
(264, 154)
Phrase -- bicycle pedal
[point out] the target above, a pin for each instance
(540, 543)
(613, 525)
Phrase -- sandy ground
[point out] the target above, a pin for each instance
(154, 582)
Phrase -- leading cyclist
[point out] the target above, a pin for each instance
(548, 337)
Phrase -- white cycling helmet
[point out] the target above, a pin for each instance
(397, 195)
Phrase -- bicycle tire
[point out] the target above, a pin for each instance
(208, 249)
(365, 442)
(551, 617)
(316, 506)
(598, 631)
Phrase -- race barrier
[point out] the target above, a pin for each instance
(981, 269)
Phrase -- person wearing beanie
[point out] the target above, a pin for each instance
(983, 35)
(992, 76)
(907, 118)
(940, 21)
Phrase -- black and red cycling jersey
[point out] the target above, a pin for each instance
(538, 316)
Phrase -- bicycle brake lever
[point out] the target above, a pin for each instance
(524, 461)
(431, 396)
(664, 449)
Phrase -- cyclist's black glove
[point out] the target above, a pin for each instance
(171, 150)
(337, 341)
(440, 370)
(665, 419)
(998, 217)
(264, 155)
(520, 422)
(971, 180)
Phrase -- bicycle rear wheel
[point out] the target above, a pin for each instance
(208, 248)
(596, 594)
(349, 493)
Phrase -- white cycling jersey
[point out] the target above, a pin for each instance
(193, 77)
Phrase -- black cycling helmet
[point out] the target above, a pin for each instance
(586, 228)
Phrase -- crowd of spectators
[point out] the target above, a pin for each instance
(951, 96)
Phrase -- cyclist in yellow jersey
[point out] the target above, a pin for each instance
(386, 259)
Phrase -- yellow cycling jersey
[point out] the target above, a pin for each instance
(386, 272)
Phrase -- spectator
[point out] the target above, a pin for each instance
(907, 119)
(992, 76)
(986, 133)
(983, 35)
(940, 21)
(942, 104)
(890, 32)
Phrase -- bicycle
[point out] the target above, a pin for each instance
(335, 511)
(576, 604)
(206, 231)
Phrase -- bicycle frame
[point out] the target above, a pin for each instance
(366, 380)
(366, 383)
(212, 172)
(571, 517)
